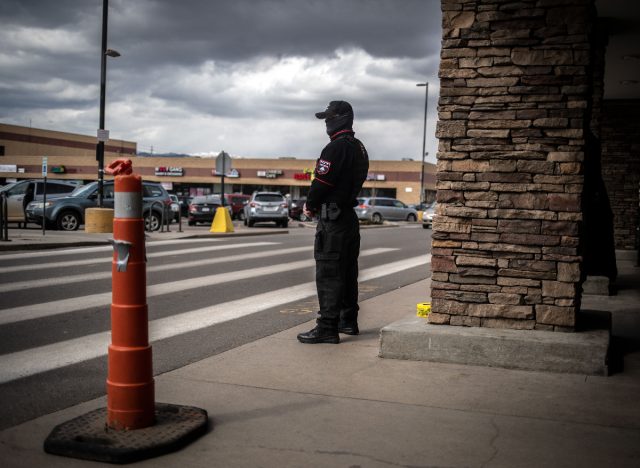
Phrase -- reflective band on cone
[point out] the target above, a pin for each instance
(127, 205)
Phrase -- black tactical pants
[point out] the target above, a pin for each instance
(336, 251)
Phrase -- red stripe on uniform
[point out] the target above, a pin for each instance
(324, 182)
(348, 130)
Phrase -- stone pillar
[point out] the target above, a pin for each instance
(513, 111)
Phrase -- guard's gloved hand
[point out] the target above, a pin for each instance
(309, 213)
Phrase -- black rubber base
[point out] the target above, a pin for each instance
(88, 437)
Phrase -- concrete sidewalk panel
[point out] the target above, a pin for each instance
(274, 428)
(415, 339)
(275, 402)
(353, 370)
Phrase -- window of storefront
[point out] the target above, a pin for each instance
(378, 192)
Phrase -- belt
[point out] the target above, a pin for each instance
(333, 206)
(331, 211)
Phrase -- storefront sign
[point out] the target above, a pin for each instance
(58, 169)
(169, 171)
(380, 177)
(270, 173)
(8, 168)
(234, 173)
(306, 174)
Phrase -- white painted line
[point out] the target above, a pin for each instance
(109, 259)
(47, 309)
(45, 358)
(103, 248)
(60, 280)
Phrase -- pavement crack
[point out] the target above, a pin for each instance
(347, 454)
(492, 443)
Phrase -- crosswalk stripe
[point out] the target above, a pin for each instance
(90, 261)
(29, 312)
(36, 360)
(102, 248)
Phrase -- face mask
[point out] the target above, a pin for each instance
(340, 122)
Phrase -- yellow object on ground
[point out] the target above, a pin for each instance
(423, 309)
(221, 221)
(98, 220)
(420, 215)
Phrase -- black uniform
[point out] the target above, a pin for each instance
(339, 174)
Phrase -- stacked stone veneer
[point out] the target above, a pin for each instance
(514, 104)
(620, 140)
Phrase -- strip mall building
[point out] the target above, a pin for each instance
(72, 157)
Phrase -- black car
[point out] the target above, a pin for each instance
(202, 209)
(295, 210)
(67, 213)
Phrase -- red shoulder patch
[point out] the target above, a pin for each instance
(323, 167)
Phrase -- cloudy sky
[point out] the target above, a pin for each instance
(246, 76)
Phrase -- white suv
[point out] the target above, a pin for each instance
(377, 209)
(265, 207)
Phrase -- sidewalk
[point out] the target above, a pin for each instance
(277, 403)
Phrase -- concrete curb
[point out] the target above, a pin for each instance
(415, 339)
(77, 241)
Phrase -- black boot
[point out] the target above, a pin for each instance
(349, 328)
(319, 335)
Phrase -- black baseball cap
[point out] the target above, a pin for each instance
(334, 109)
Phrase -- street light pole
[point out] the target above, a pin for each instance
(103, 91)
(424, 140)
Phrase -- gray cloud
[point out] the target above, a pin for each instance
(241, 60)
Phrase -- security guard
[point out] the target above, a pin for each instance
(339, 174)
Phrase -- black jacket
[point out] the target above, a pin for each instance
(340, 172)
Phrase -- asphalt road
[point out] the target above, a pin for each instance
(205, 296)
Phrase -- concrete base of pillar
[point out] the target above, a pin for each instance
(596, 285)
(584, 352)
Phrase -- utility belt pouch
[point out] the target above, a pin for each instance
(333, 212)
(330, 211)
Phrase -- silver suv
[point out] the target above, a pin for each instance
(20, 194)
(265, 207)
(377, 209)
(67, 213)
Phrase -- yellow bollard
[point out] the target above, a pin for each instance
(221, 221)
(98, 220)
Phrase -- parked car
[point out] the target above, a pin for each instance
(67, 213)
(202, 209)
(236, 201)
(295, 209)
(377, 209)
(427, 217)
(421, 206)
(32, 189)
(265, 207)
(184, 201)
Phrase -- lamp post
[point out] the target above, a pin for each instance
(103, 90)
(424, 140)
